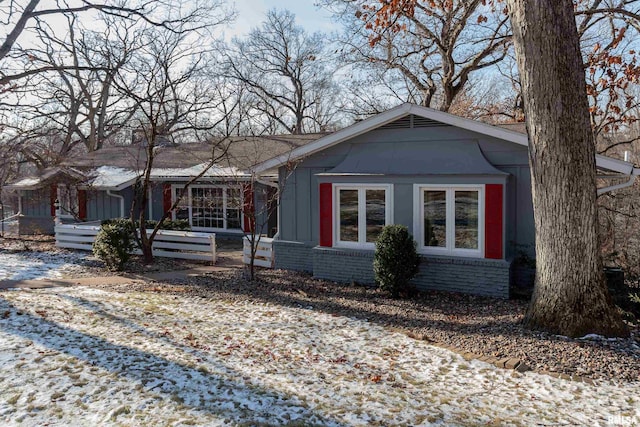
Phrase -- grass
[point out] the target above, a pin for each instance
(123, 410)
(57, 395)
(14, 399)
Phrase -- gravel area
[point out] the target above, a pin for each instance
(483, 326)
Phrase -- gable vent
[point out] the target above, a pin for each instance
(403, 123)
(412, 121)
(421, 122)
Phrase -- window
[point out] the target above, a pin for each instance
(360, 213)
(68, 201)
(449, 220)
(209, 207)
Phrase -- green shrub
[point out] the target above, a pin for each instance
(114, 243)
(395, 261)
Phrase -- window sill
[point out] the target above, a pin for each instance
(451, 254)
(356, 246)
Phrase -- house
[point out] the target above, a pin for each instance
(462, 188)
(100, 185)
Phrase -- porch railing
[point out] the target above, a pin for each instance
(264, 252)
(167, 243)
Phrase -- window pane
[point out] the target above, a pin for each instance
(207, 207)
(435, 218)
(348, 202)
(376, 213)
(466, 220)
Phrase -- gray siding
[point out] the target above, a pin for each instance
(299, 202)
(36, 203)
(36, 212)
(101, 206)
(520, 232)
(299, 206)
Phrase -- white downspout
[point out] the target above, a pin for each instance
(632, 178)
(118, 196)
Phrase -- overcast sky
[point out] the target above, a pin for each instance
(251, 13)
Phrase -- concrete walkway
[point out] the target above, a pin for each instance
(122, 278)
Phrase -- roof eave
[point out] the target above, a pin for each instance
(429, 113)
(387, 117)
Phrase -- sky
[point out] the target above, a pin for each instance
(252, 12)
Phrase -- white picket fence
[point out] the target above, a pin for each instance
(264, 252)
(167, 243)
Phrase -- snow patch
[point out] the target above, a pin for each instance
(111, 177)
(37, 265)
(77, 356)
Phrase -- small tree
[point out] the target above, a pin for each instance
(268, 194)
(395, 261)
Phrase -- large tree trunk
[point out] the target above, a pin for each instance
(570, 295)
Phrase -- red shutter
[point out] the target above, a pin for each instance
(82, 204)
(326, 215)
(493, 220)
(167, 200)
(53, 196)
(248, 208)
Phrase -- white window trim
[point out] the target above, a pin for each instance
(189, 199)
(362, 208)
(418, 223)
(66, 211)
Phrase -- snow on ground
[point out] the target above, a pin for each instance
(81, 356)
(37, 265)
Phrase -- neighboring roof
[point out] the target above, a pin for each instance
(111, 178)
(117, 167)
(407, 158)
(238, 152)
(511, 133)
(213, 172)
(45, 176)
(115, 178)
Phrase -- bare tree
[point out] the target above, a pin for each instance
(79, 105)
(425, 53)
(285, 71)
(56, 75)
(19, 17)
(174, 100)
